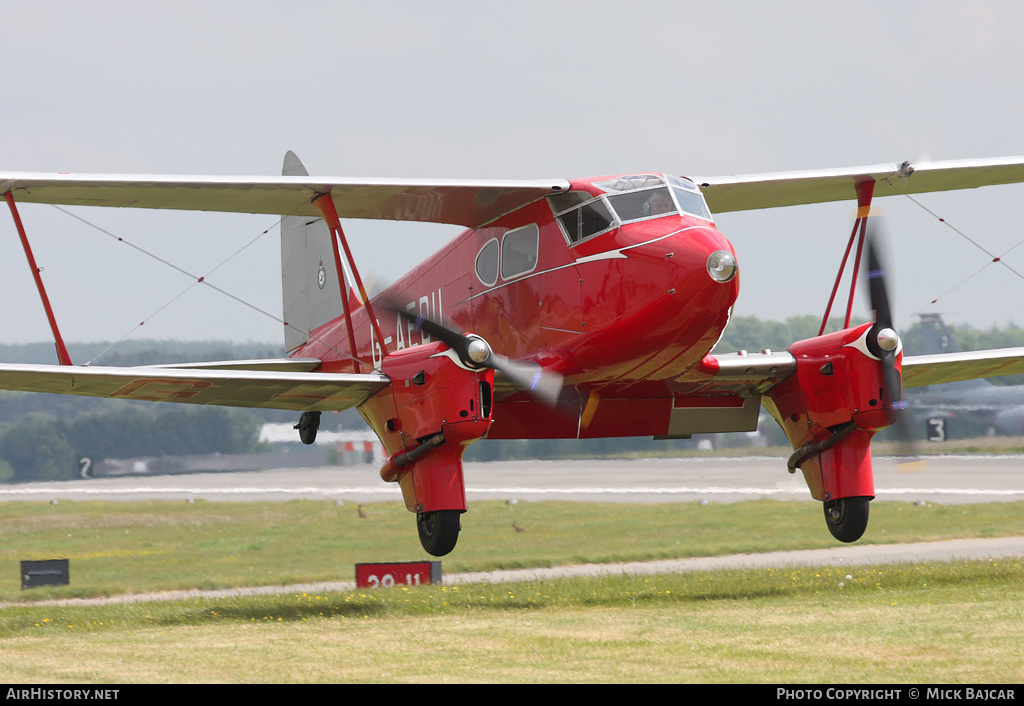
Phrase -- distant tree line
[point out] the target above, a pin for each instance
(139, 352)
(49, 448)
(43, 436)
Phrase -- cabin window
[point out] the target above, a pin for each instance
(519, 250)
(487, 263)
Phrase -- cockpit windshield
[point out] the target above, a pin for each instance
(642, 196)
(626, 199)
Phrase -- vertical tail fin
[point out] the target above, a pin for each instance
(308, 276)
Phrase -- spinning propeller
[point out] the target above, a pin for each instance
(884, 342)
(475, 352)
(883, 339)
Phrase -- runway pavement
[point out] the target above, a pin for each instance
(938, 479)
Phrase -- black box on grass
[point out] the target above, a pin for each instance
(50, 572)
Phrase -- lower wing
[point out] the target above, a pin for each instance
(289, 384)
(268, 384)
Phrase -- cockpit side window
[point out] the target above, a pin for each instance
(586, 221)
(689, 197)
(580, 215)
(692, 203)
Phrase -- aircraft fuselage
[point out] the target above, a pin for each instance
(623, 312)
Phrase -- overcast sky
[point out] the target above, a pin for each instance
(499, 90)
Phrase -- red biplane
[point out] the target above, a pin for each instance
(567, 309)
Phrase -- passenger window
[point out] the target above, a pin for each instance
(487, 263)
(519, 251)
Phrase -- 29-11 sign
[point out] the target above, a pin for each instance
(406, 573)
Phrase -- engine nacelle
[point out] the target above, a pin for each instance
(434, 408)
(831, 408)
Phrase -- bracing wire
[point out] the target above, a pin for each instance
(196, 280)
(993, 258)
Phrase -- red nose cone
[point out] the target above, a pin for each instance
(661, 305)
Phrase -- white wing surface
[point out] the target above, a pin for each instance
(754, 191)
(922, 370)
(474, 203)
(468, 203)
(225, 384)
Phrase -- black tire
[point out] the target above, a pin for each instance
(307, 435)
(847, 518)
(439, 530)
(309, 424)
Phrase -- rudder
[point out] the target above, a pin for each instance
(309, 279)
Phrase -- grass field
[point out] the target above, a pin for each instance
(955, 622)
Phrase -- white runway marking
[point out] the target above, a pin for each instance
(950, 480)
(359, 490)
(143, 490)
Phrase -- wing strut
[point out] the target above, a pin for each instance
(62, 352)
(865, 190)
(325, 204)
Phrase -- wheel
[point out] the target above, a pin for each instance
(309, 424)
(847, 518)
(439, 530)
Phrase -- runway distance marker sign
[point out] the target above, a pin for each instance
(388, 575)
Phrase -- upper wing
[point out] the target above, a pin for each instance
(753, 191)
(468, 203)
(277, 385)
(475, 203)
(922, 370)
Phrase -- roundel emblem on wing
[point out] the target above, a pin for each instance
(321, 275)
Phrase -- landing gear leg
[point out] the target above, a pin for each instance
(439, 530)
(309, 424)
(847, 518)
